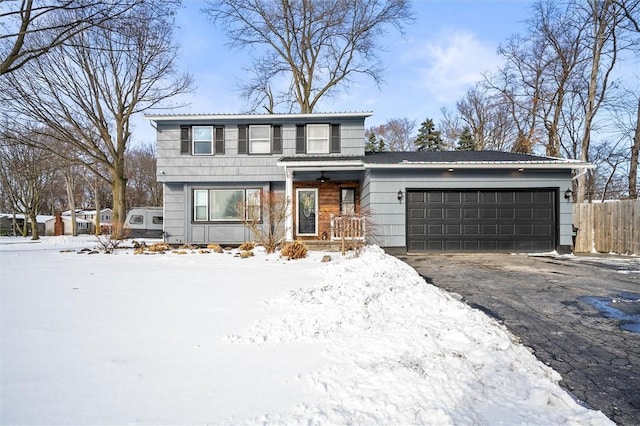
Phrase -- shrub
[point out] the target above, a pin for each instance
(247, 245)
(294, 250)
(215, 248)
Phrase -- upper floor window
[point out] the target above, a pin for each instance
(318, 139)
(260, 139)
(201, 140)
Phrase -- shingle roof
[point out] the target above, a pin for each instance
(450, 156)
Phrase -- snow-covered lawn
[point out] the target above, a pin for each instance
(215, 339)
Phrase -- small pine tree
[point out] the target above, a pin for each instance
(429, 139)
(375, 144)
(466, 141)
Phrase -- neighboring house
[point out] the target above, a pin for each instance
(418, 201)
(83, 226)
(7, 223)
(90, 215)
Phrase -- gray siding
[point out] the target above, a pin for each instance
(232, 167)
(380, 195)
(179, 227)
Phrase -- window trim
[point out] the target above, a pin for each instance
(326, 126)
(251, 140)
(210, 141)
(342, 200)
(245, 193)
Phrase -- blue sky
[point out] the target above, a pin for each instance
(442, 54)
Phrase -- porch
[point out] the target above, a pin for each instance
(325, 199)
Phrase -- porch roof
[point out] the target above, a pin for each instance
(327, 162)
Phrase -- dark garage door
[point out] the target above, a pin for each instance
(485, 220)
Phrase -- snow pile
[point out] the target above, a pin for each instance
(189, 339)
(404, 352)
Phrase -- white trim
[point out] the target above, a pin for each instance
(322, 165)
(288, 189)
(255, 117)
(483, 165)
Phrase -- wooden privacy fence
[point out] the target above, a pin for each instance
(611, 227)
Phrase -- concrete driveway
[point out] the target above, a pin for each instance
(551, 303)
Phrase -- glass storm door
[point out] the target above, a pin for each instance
(307, 209)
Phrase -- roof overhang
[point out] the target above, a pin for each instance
(560, 164)
(324, 165)
(254, 117)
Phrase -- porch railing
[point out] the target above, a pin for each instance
(348, 228)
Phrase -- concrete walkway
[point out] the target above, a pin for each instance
(545, 301)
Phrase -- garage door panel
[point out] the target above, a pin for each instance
(435, 213)
(417, 213)
(452, 197)
(488, 213)
(471, 230)
(482, 220)
(452, 214)
(417, 197)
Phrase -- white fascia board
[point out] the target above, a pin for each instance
(255, 117)
(485, 165)
(313, 166)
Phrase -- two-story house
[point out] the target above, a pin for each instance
(418, 201)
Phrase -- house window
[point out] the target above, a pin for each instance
(200, 205)
(347, 201)
(317, 139)
(260, 139)
(213, 205)
(202, 140)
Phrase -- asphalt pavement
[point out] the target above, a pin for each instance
(579, 315)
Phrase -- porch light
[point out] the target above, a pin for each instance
(567, 194)
(400, 195)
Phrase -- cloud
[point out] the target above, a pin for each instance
(448, 65)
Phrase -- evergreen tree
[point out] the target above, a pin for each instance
(429, 139)
(374, 144)
(466, 141)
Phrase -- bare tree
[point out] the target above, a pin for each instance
(31, 28)
(396, 133)
(265, 217)
(25, 174)
(143, 188)
(602, 17)
(486, 114)
(320, 45)
(635, 151)
(88, 89)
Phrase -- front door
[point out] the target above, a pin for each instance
(307, 212)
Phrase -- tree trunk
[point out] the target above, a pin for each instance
(35, 235)
(96, 197)
(633, 167)
(70, 184)
(118, 189)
